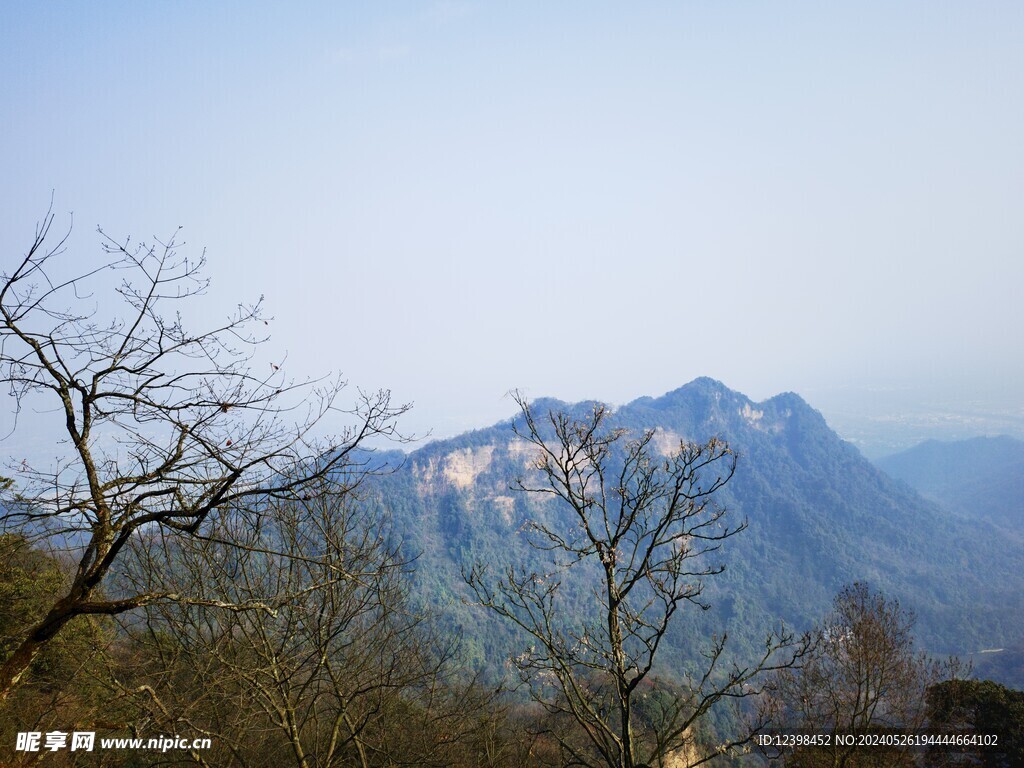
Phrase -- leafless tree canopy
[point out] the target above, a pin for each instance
(337, 671)
(645, 527)
(863, 677)
(163, 426)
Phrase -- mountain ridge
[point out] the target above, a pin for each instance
(819, 515)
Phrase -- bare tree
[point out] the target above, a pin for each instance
(301, 682)
(863, 677)
(642, 528)
(162, 426)
(342, 673)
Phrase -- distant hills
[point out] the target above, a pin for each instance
(979, 479)
(820, 516)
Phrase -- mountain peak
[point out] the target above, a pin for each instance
(704, 385)
(703, 392)
(788, 400)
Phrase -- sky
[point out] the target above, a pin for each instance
(580, 200)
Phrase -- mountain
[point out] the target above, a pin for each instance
(980, 479)
(819, 516)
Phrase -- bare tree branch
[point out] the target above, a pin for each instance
(642, 527)
(163, 426)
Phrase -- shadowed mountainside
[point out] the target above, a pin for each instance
(978, 479)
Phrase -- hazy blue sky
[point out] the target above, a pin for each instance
(577, 199)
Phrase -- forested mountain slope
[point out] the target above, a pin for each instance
(819, 516)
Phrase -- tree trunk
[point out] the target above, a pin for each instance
(626, 758)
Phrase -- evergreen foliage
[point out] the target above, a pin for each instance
(819, 516)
